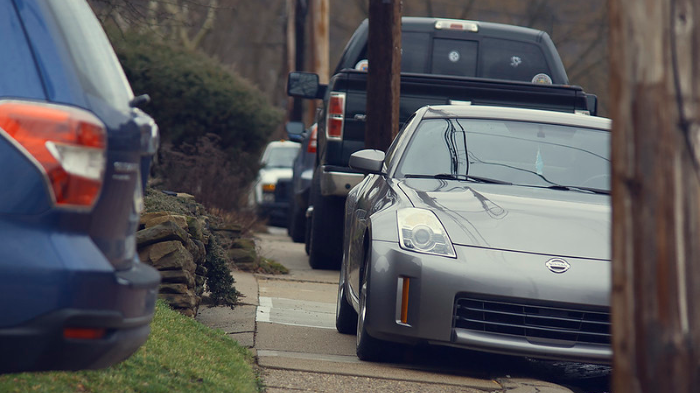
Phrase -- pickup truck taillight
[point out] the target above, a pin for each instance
(68, 145)
(313, 140)
(335, 116)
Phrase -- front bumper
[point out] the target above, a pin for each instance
(337, 181)
(437, 283)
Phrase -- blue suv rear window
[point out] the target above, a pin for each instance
(97, 66)
(19, 76)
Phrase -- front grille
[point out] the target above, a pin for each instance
(532, 321)
(283, 190)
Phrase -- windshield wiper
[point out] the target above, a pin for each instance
(450, 176)
(580, 189)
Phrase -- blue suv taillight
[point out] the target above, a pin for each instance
(68, 145)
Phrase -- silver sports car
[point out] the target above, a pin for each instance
(484, 228)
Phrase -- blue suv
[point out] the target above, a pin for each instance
(74, 153)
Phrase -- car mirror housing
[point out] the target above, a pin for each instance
(295, 131)
(367, 161)
(305, 85)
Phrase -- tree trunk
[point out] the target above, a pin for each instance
(291, 52)
(655, 85)
(384, 73)
(297, 112)
(320, 39)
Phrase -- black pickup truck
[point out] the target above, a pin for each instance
(443, 61)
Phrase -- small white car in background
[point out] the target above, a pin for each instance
(271, 191)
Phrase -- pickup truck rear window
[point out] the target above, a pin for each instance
(454, 57)
(494, 58)
(512, 60)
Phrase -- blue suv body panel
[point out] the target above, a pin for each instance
(60, 267)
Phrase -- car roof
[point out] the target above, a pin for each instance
(516, 114)
(283, 144)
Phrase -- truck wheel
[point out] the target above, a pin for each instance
(307, 235)
(326, 240)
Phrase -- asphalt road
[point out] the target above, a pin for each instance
(299, 349)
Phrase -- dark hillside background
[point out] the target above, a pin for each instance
(248, 35)
(216, 72)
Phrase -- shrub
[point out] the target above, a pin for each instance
(219, 279)
(216, 178)
(193, 95)
(199, 106)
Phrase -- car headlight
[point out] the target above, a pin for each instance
(421, 231)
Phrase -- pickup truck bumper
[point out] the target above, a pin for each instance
(338, 181)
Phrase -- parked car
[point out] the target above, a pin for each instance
(270, 193)
(485, 228)
(443, 61)
(74, 152)
(302, 173)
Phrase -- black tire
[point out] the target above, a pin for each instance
(345, 315)
(307, 234)
(326, 240)
(367, 347)
(297, 223)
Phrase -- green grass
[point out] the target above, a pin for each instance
(181, 355)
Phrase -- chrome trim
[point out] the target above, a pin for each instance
(339, 183)
(509, 345)
(557, 265)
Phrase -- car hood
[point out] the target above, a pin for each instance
(271, 175)
(516, 218)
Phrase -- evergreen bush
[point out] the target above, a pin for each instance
(192, 98)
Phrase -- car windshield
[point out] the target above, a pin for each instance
(281, 157)
(517, 152)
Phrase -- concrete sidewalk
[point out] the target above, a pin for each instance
(318, 373)
(239, 323)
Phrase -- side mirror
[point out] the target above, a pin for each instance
(295, 131)
(305, 85)
(367, 161)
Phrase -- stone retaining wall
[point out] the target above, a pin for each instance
(176, 246)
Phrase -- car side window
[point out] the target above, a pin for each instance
(19, 76)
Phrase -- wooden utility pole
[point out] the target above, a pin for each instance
(384, 74)
(296, 32)
(320, 56)
(291, 52)
(655, 96)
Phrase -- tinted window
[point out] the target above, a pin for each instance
(512, 60)
(454, 57)
(518, 152)
(97, 66)
(18, 74)
(414, 46)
